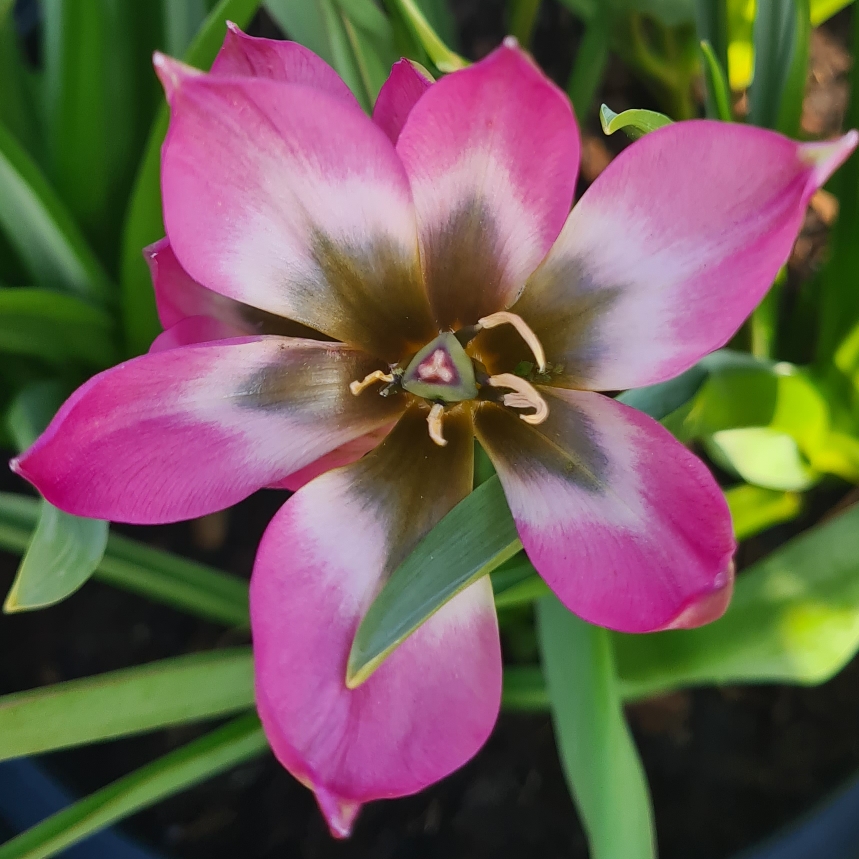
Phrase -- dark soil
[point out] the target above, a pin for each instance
(726, 766)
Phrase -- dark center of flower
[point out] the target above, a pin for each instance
(443, 374)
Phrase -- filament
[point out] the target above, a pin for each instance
(524, 396)
(376, 376)
(503, 317)
(434, 424)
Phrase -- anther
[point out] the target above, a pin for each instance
(375, 376)
(503, 317)
(434, 424)
(524, 396)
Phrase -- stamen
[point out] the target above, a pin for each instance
(434, 423)
(503, 317)
(524, 396)
(375, 376)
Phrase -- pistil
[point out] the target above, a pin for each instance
(504, 317)
(524, 396)
(376, 376)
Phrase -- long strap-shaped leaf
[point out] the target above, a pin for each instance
(143, 224)
(473, 539)
(195, 588)
(839, 306)
(221, 750)
(41, 229)
(444, 59)
(412, 595)
(130, 701)
(794, 618)
(98, 96)
(55, 327)
(600, 761)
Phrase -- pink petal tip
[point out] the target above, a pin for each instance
(340, 814)
(709, 607)
(172, 73)
(15, 466)
(826, 156)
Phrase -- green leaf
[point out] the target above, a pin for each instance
(444, 58)
(635, 123)
(823, 10)
(16, 85)
(522, 17)
(182, 20)
(64, 550)
(769, 424)
(781, 40)
(130, 701)
(362, 44)
(794, 618)
(99, 96)
(600, 762)
(32, 409)
(718, 95)
(303, 21)
(712, 25)
(186, 585)
(440, 17)
(526, 591)
(741, 52)
(663, 399)
(143, 224)
(762, 456)
(524, 688)
(584, 9)
(41, 230)
(754, 509)
(839, 306)
(590, 63)
(371, 38)
(57, 328)
(793, 92)
(672, 13)
(214, 753)
(474, 538)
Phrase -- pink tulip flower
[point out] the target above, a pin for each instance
(349, 302)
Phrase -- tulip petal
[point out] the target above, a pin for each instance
(178, 296)
(492, 154)
(346, 454)
(184, 432)
(626, 525)
(407, 82)
(279, 60)
(288, 199)
(668, 252)
(194, 329)
(431, 705)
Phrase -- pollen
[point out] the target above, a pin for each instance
(504, 317)
(524, 396)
